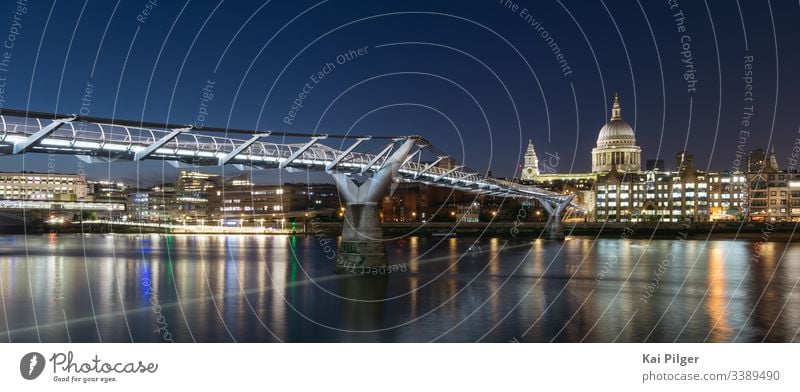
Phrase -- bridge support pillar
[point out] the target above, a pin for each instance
(554, 229)
(361, 250)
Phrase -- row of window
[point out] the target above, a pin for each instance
(651, 212)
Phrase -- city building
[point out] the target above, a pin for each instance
(416, 202)
(774, 194)
(108, 191)
(138, 207)
(618, 191)
(43, 186)
(160, 205)
(195, 182)
(652, 196)
(192, 190)
(50, 196)
(755, 160)
(616, 145)
(727, 196)
(671, 196)
(241, 202)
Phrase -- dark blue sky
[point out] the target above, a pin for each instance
(474, 77)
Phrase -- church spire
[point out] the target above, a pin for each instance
(772, 160)
(615, 110)
(531, 167)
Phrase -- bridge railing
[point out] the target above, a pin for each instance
(124, 141)
(94, 136)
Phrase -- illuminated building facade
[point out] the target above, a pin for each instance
(531, 168)
(43, 186)
(239, 201)
(52, 196)
(774, 194)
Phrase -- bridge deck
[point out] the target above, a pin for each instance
(120, 140)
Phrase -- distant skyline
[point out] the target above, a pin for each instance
(477, 78)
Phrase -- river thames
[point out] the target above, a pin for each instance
(281, 288)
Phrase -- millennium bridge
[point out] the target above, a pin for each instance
(362, 178)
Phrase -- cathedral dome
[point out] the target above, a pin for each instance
(616, 146)
(616, 131)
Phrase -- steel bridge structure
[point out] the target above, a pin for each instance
(361, 177)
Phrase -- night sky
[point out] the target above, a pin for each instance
(476, 78)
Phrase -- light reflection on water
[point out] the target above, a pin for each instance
(210, 288)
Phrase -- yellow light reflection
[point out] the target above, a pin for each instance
(716, 302)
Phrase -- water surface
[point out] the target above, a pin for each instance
(214, 288)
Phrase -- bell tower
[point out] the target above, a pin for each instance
(531, 167)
